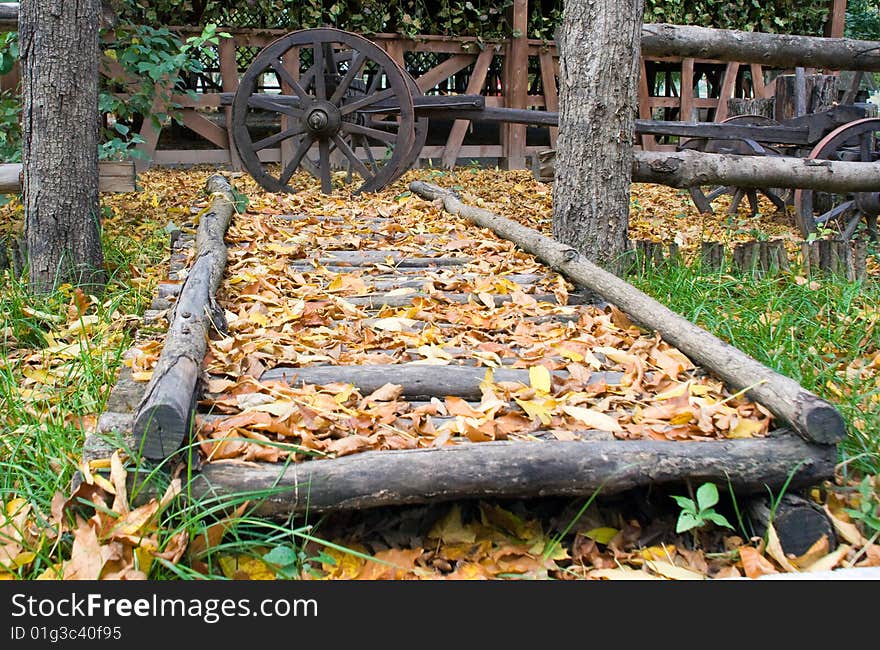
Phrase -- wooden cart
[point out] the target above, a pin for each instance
(345, 106)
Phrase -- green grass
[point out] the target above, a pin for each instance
(810, 331)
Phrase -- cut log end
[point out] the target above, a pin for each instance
(824, 423)
(160, 430)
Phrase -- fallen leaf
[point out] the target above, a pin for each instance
(754, 564)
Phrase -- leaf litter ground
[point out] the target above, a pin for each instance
(284, 308)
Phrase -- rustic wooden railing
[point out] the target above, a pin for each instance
(671, 88)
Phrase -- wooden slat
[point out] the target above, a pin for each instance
(726, 90)
(444, 70)
(459, 128)
(516, 67)
(649, 142)
(229, 83)
(686, 111)
(204, 127)
(551, 95)
(112, 177)
(758, 80)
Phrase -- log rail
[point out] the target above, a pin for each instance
(802, 447)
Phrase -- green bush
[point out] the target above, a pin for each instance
(480, 18)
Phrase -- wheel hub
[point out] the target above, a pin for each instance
(322, 119)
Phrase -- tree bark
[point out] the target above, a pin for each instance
(164, 415)
(512, 470)
(689, 168)
(597, 98)
(59, 63)
(775, 50)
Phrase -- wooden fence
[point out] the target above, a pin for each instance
(670, 88)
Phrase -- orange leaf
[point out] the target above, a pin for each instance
(754, 564)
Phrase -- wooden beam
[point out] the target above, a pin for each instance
(459, 127)
(836, 23)
(511, 470)
(229, 83)
(444, 70)
(112, 177)
(8, 16)
(726, 93)
(551, 91)
(686, 110)
(516, 67)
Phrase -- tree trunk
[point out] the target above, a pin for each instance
(597, 99)
(59, 62)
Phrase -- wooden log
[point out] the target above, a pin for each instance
(691, 168)
(391, 258)
(8, 16)
(419, 381)
(798, 523)
(712, 256)
(842, 257)
(760, 257)
(812, 417)
(751, 106)
(775, 50)
(796, 96)
(164, 415)
(112, 177)
(511, 470)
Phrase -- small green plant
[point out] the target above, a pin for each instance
(868, 511)
(697, 512)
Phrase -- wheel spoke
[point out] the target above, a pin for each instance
(352, 158)
(285, 76)
(851, 226)
(835, 212)
(320, 86)
(369, 100)
(353, 69)
(718, 191)
(324, 165)
(376, 134)
(304, 145)
(775, 199)
(369, 151)
(278, 137)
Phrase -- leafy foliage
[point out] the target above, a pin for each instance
(481, 18)
(158, 56)
(863, 19)
(700, 512)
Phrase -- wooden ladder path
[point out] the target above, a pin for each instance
(430, 286)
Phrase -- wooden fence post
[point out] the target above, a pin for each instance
(516, 86)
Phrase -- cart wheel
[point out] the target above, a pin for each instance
(421, 130)
(339, 85)
(857, 141)
(703, 196)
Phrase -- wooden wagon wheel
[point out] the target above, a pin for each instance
(857, 141)
(339, 83)
(703, 196)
